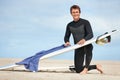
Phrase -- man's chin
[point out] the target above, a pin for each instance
(76, 19)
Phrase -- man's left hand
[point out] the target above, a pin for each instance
(81, 42)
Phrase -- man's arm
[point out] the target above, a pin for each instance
(88, 31)
(67, 36)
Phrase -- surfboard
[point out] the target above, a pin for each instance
(66, 49)
(77, 45)
(8, 66)
(58, 68)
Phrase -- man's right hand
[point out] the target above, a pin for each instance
(67, 44)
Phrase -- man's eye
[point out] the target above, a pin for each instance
(75, 12)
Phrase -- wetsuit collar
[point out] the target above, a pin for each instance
(77, 20)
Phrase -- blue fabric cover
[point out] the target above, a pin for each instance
(31, 63)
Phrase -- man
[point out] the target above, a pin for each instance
(81, 31)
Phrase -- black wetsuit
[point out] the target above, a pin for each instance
(81, 29)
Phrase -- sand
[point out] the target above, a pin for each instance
(111, 71)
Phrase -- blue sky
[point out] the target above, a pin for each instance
(29, 26)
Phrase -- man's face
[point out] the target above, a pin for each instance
(75, 14)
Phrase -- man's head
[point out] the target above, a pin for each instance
(75, 12)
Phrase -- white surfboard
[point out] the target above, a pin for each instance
(8, 66)
(76, 46)
(65, 49)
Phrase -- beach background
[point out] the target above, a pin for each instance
(110, 68)
(30, 26)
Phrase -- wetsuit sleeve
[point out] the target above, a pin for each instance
(67, 34)
(89, 32)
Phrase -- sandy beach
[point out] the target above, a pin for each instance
(111, 71)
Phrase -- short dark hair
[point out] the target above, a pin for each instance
(75, 7)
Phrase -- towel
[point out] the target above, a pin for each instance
(31, 63)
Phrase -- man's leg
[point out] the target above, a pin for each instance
(91, 67)
(88, 51)
(98, 67)
(79, 59)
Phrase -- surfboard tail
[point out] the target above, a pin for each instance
(104, 38)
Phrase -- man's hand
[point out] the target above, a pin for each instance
(67, 44)
(81, 42)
